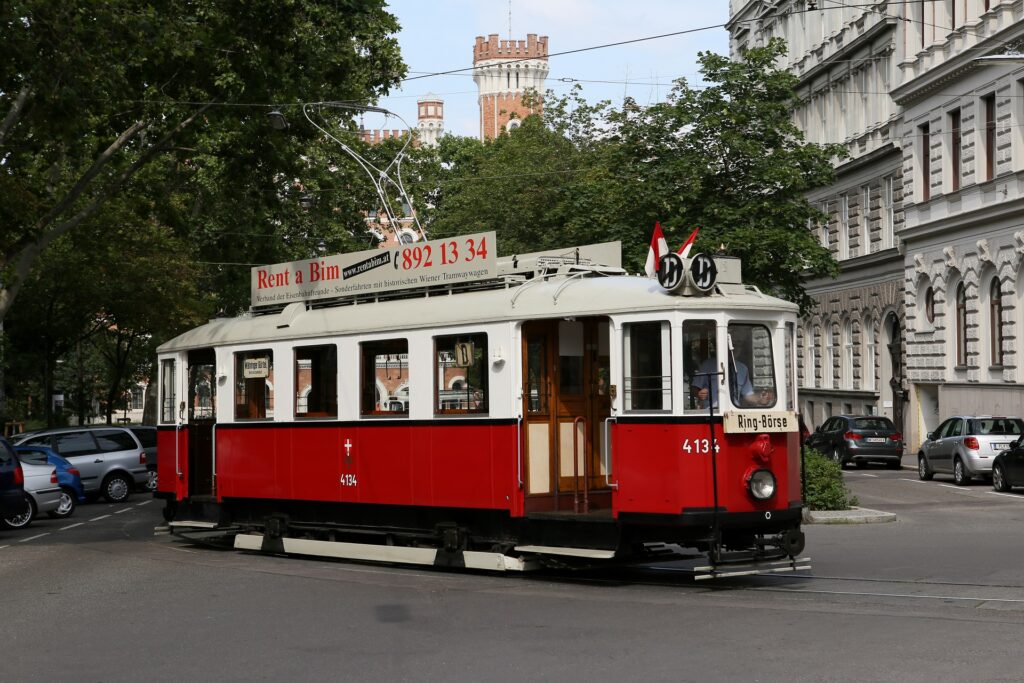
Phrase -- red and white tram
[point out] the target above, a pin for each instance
(434, 404)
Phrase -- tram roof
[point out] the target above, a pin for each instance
(552, 297)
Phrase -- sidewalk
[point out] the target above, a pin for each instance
(853, 516)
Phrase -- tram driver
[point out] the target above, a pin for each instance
(706, 381)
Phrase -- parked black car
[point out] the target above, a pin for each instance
(859, 439)
(1008, 467)
(12, 482)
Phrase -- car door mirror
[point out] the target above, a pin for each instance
(930, 436)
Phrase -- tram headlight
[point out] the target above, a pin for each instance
(761, 484)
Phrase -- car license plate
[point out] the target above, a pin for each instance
(1000, 446)
(875, 439)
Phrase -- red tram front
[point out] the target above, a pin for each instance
(493, 414)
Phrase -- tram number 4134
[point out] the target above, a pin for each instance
(348, 480)
(699, 446)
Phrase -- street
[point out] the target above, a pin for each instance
(936, 595)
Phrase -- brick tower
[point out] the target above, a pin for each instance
(502, 81)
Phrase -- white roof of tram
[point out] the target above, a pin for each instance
(552, 297)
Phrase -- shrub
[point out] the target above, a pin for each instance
(825, 487)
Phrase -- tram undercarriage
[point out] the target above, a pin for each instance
(736, 544)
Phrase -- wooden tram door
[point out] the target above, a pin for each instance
(566, 399)
(202, 416)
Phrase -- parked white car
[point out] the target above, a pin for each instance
(42, 491)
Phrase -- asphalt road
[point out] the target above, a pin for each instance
(936, 595)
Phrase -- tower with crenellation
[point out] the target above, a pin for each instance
(504, 70)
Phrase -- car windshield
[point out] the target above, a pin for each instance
(995, 425)
(873, 423)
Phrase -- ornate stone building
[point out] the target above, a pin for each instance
(504, 70)
(926, 218)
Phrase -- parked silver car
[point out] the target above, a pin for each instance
(43, 494)
(966, 445)
(111, 459)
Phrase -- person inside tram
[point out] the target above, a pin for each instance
(706, 381)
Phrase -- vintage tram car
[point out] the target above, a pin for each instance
(495, 413)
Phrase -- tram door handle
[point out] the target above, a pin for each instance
(721, 374)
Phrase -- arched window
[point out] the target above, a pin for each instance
(961, 325)
(846, 381)
(867, 377)
(929, 305)
(995, 310)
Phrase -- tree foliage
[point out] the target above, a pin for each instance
(91, 94)
(726, 158)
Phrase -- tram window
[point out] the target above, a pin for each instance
(316, 381)
(790, 367)
(254, 385)
(647, 384)
(751, 366)
(384, 380)
(700, 362)
(168, 397)
(460, 372)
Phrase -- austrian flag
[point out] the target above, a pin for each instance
(658, 248)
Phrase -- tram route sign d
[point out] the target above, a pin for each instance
(672, 272)
(466, 258)
(703, 273)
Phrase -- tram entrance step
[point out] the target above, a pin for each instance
(589, 553)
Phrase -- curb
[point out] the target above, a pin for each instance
(852, 516)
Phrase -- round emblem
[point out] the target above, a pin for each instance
(671, 271)
(703, 272)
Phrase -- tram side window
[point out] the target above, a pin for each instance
(460, 371)
(700, 363)
(751, 366)
(254, 385)
(384, 378)
(647, 384)
(316, 381)
(167, 392)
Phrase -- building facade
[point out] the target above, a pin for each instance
(504, 71)
(924, 217)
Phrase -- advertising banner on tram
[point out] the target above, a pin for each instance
(455, 260)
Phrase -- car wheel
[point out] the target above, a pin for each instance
(960, 476)
(151, 482)
(24, 519)
(117, 488)
(924, 473)
(66, 506)
(999, 482)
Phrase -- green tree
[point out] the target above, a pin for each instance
(91, 94)
(725, 157)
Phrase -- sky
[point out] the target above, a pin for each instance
(438, 35)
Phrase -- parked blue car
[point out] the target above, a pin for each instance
(68, 477)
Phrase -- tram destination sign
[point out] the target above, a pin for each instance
(456, 260)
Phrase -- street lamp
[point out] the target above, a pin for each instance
(277, 120)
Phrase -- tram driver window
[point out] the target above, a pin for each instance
(647, 384)
(316, 381)
(384, 381)
(254, 385)
(750, 365)
(700, 364)
(460, 374)
(168, 394)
